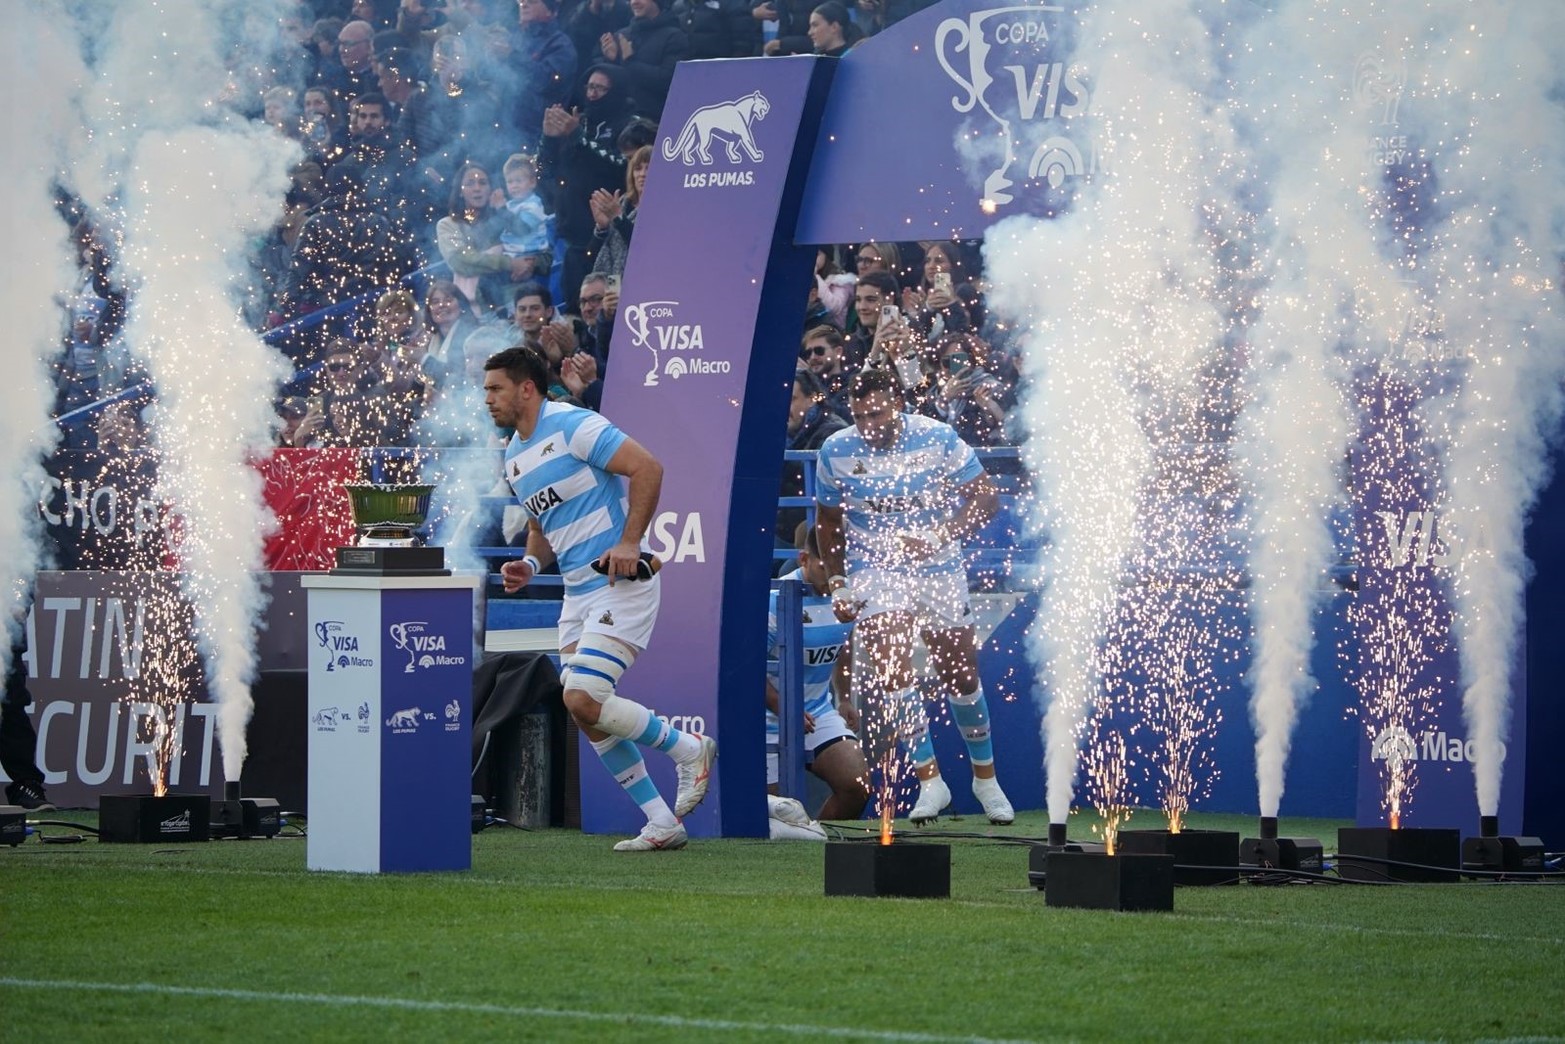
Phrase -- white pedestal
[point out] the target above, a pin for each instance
(390, 708)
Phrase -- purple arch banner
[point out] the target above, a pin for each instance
(956, 117)
(704, 350)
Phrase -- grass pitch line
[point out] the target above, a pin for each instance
(403, 1004)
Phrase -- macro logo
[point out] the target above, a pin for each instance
(729, 124)
(342, 647)
(424, 647)
(678, 346)
(1396, 744)
(1011, 62)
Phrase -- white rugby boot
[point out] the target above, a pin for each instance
(788, 821)
(655, 839)
(693, 776)
(996, 807)
(933, 797)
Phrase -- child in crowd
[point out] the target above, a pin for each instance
(527, 232)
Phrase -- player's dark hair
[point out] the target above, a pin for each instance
(868, 382)
(522, 364)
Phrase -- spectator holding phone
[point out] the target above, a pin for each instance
(965, 395)
(941, 303)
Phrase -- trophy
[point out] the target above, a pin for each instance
(388, 518)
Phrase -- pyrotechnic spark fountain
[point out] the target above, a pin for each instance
(1129, 328)
(198, 183)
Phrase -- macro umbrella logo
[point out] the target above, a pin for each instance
(1393, 745)
(1014, 70)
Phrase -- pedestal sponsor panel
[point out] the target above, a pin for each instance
(390, 712)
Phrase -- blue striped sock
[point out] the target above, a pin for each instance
(972, 718)
(623, 759)
(659, 734)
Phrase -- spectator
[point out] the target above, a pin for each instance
(456, 119)
(540, 330)
(345, 412)
(646, 53)
(965, 396)
(385, 163)
(874, 293)
(469, 242)
(344, 249)
(811, 421)
(823, 352)
(831, 31)
(325, 124)
(398, 325)
(280, 110)
(614, 215)
(718, 28)
(793, 19)
(449, 319)
(396, 77)
(878, 257)
(831, 295)
(351, 71)
(548, 61)
(527, 234)
(936, 305)
(323, 40)
(580, 155)
(596, 303)
(590, 21)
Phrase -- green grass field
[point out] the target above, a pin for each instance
(551, 936)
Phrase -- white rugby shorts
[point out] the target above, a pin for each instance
(627, 611)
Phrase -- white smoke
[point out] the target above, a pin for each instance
(43, 67)
(193, 185)
(1491, 98)
(1324, 282)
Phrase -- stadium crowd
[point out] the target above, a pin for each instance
(469, 179)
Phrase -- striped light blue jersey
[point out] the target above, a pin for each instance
(560, 477)
(908, 488)
(824, 638)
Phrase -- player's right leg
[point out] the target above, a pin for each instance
(841, 765)
(884, 640)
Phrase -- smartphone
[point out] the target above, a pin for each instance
(943, 283)
(315, 403)
(888, 313)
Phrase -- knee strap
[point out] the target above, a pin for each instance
(596, 665)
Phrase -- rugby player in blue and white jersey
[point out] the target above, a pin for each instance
(589, 492)
(830, 719)
(895, 496)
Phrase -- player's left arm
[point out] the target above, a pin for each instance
(644, 476)
(980, 500)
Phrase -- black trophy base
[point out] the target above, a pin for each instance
(1503, 855)
(1099, 881)
(901, 870)
(148, 820)
(1424, 853)
(13, 825)
(1304, 854)
(391, 561)
(1201, 857)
